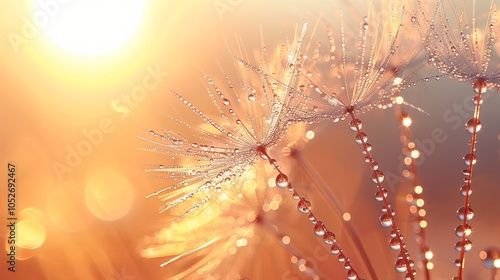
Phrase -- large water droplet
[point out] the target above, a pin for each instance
(400, 266)
(335, 249)
(329, 238)
(351, 275)
(467, 245)
(341, 257)
(304, 206)
(361, 137)
(394, 244)
(355, 125)
(319, 228)
(480, 84)
(377, 176)
(465, 190)
(469, 126)
(381, 194)
(385, 220)
(465, 212)
(282, 180)
(469, 159)
(460, 230)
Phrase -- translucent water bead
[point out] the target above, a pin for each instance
(462, 230)
(469, 126)
(282, 180)
(304, 206)
(465, 213)
(467, 245)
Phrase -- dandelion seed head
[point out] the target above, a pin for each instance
(460, 41)
(247, 113)
(364, 66)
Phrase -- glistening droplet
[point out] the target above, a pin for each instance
(319, 228)
(282, 180)
(467, 245)
(304, 206)
(400, 266)
(460, 230)
(329, 238)
(465, 213)
(385, 220)
(377, 176)
(469, 159)
(355, 124)
(469, 126)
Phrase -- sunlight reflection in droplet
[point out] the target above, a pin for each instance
(109, 195)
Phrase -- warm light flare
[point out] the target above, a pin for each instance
(90, 27)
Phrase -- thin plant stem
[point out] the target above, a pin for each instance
(404, 263)
(325, 191)
(304, 206)
(465, 213)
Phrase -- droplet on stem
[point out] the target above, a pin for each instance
(465, 213)
(469, 126)
(385, 220)
(282, 180)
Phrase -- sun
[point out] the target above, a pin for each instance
(90, 27)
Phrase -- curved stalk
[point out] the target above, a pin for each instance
(304, 206)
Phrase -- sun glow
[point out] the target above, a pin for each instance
(90, 27)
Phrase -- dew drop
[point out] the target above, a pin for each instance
(381, 194)
(469, 159)
(361, 137)
(329, 238)
(373, 165)
(465, 190)
(365, 26)
(400, 266)
(319, 228)
(467, 245)
(304, 206)
(282, 180)
(413, 19)
(226, 102)
(341, 257)
(351, 275)
(460, 230)
(251, 97)
(456, 263)
(465, 212)
(469, 126)
(355, 125)
(394, 244)
(385, 220)
(335, 249)
(377, 176)
(480, 84)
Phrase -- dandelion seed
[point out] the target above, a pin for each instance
(227, 146)
(358, 79)
(459, 47)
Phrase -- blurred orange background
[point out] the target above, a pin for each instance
(71, 121)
